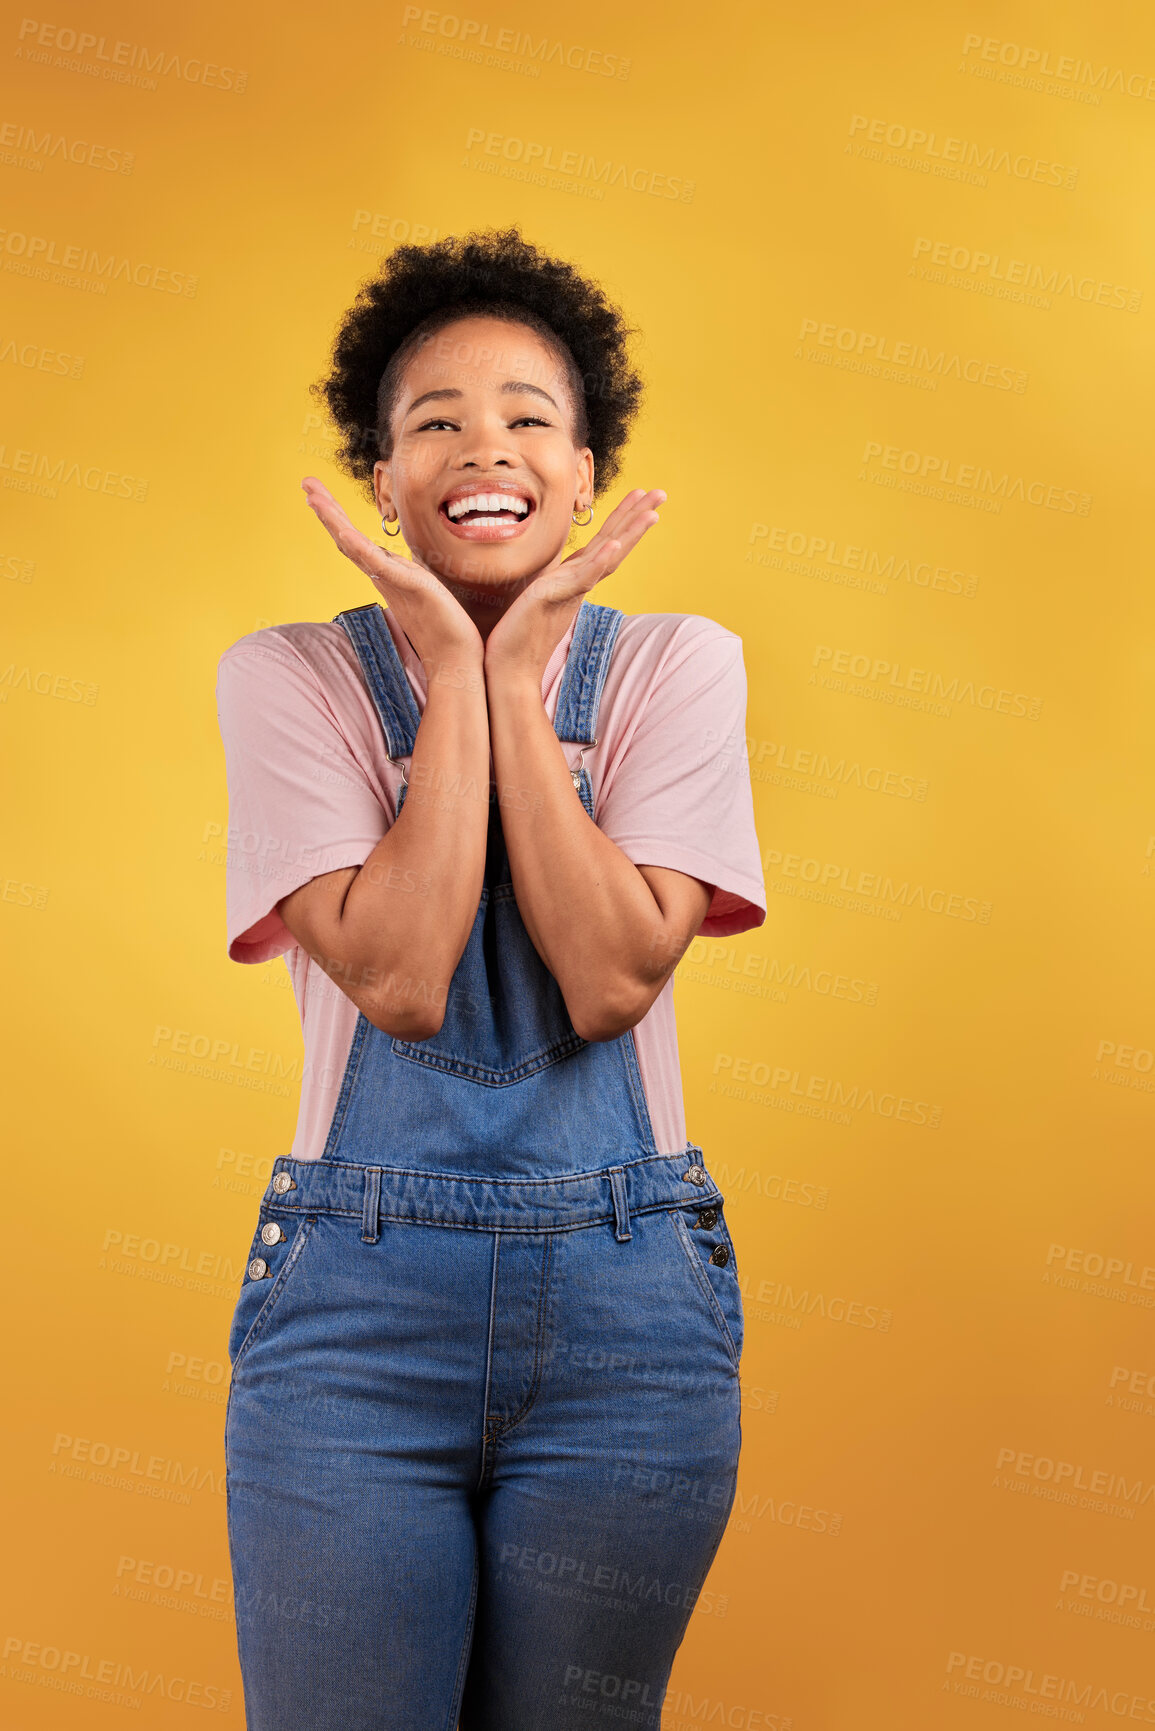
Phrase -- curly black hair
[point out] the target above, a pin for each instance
(498, 273)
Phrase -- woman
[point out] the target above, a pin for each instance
(483, 1424)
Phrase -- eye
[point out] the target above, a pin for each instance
(444, 421)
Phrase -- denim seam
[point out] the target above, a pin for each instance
(385, 675)
(371, 1209)
(466, 1644)
(547, 1179)
(637, 1092)
(566, 703)
(352, 1067)
(488, 1425)
(682, 1234)
(729, 1242)
(606, 637)
(260, 1321)
(704, 1199)
(591, 648)
(621, 1205)
(482, 1074)
(586, 792)
(234, 1571)
(570, 715)
(503, 1427)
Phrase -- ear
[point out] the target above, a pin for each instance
(584, 479)
(383, 488)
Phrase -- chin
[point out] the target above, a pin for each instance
(486, 570)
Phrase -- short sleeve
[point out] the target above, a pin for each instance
(300, 804)
(680, 794)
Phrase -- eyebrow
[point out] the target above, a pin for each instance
(449, 391)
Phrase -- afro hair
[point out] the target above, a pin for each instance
(494, 272)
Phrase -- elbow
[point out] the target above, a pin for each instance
(405, 1003)
(610, 1015)
(411, 1022)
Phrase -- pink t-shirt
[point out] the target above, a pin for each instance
(311, 790)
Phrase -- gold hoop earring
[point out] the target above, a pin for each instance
(388, 530)
(582, 525)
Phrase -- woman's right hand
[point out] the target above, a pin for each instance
(433, 620)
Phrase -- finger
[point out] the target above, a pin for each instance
(373, 560)
(626, 534)
(639, 499)
(623, 519)
(631, 532)
(324, 506)
(318, 496)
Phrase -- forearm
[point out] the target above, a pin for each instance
(407, 913)
(588, 910)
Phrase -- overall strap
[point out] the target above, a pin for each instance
(386, 678)
(594, 635)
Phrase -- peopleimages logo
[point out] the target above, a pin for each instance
(51, 146)
(977, 478)
(1046, 1686)
(1001, 700)
(536, 159)
(1019, 272)
(83, 51)
(1067, 68)
(921, 357)
(945, 153)
(473, 33)
(828, 876)
(118, 1682)
(820, 551)
(32, 255)
(1073, 1475)
(827, 1090)
(28, 471)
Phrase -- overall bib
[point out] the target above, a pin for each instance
(483, 1424)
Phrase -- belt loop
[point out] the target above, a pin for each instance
(621, 1206)
(371, 1210)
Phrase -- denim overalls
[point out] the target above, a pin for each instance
(483, 1426)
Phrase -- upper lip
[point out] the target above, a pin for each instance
(465, 488)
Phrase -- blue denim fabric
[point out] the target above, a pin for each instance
(483, 1424)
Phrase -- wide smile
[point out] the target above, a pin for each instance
(487, 513)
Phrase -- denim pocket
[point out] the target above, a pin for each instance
(505, 1016)
(709, 1250)
(267, 1272)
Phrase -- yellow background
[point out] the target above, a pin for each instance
(992, 1351)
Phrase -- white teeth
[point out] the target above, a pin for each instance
(488, 502)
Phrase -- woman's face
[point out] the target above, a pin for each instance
(484, 473)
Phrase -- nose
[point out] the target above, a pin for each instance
(486, 445)
(484, 459)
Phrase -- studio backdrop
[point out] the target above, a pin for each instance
(891, 269)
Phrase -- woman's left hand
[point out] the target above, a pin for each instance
(530, 629)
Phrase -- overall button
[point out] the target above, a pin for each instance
(258, 1268)
(707, 1217)
(283, 1182)
(271, 1234)
(694, 1175)
(719, 1256)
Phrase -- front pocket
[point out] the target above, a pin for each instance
(260, 1291)
(717, 1281)
(505, 1017)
